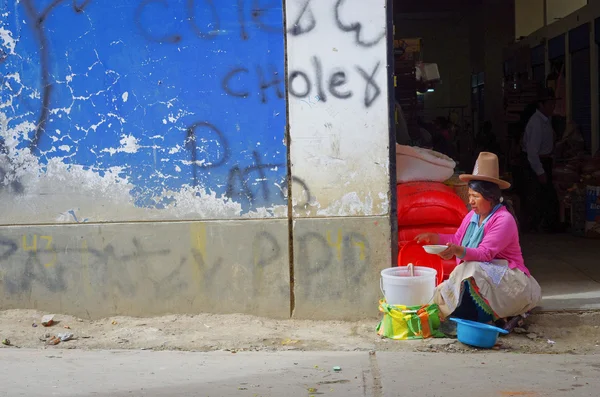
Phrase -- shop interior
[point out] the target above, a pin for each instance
(466, 75)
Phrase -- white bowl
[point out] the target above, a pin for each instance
(435, 249)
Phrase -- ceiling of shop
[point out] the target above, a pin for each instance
(424, 6)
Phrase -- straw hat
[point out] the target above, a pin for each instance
(486, 169)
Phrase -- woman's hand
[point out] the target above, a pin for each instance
(428, 238)
(452, 251)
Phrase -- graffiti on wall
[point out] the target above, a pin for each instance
(338, 104)
(152, 97)
(303, 84)
(335, 261)
(148, 267)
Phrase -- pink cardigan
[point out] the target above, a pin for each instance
(500, 241)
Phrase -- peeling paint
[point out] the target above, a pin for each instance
(351, 204)
(99, 117)
(155, 117)
(8, 41)
(340, 131)
(129, 144)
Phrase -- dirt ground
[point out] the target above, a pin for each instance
(207, 332)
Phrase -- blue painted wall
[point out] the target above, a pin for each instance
(177, 93)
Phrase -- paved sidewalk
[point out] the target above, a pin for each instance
(69, 373)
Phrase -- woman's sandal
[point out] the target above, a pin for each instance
(511, 323)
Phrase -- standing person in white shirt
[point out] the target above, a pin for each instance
(538, 145)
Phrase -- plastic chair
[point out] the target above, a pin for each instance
(413, 252)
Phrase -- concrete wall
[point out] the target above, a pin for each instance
(338, 109)
(143, 112)
(558, 9)
(529, 16)
(532, 15)
(145, 150)
(338, 101)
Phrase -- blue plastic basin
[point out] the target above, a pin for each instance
(477, 334)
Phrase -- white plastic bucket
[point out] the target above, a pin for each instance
(399, 288)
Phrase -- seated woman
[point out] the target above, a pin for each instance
(491, 281)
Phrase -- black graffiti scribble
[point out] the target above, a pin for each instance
(192, 144)
(20, 279)
(9, 248)
(267, 79)
(319, 79)
(237, 181)
(266, 249)
(306, 15)
(209, 273)
(238, 188)
(238, 178)
(355, 27)
(372, 90)
(275, 81)
(305, 203)
(356, 253)
(172, 284)
(336, 81)
(242, 20)
(226, 84)
(80, 7)
(305, 190)
(173, 38)
(257, 14)
(103, 258)
(266, 252)
(300, 85)
(37, 21)
(216, 23)
(259, 11)
(108, 267)
(294, 75)
(316, 255)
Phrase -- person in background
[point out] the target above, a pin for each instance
(519, 167)
(425, 138)
(491, 282)
(486, 140)
(538, 145)
(441, 137)
(443, 126)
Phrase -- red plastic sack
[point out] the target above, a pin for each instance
(413, 252)
(448, 265)
(423, 203)
(409, 233)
